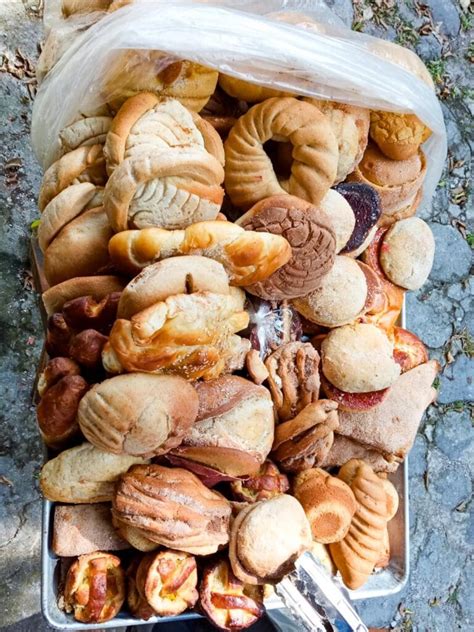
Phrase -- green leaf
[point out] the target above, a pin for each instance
(34, 224)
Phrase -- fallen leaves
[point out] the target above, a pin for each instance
(21, 68)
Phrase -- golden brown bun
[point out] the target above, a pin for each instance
(251, 92)
(338, 209)
(147, 123)
(267, 538)
(398, 136)
(396, 181)
(96, 286)
(340, 297)
(62, 209)
(233, 432)
(138, 414)
(71, 7)
(178, 275)
(80, 248)
(310, 234)
(84, 164)
(390, 428)
(328, 502)
(84, 474)
(249, 173)
(170, 189)
(356, 555)
(401, 56)
(80, 529)
(172, 507)
(358, 358)
(134, 71)
(247, 256)
(350, 125)
(407, 253)
(192, 335)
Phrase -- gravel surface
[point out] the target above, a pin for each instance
(439, 594)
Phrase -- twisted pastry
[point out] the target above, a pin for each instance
(247, 256)
(250, 176)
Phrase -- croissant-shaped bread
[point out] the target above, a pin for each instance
(171, 189)
(247, 256)
(172, 507)
(249, 173)
(84, 164)
(356, 555)
(146, 123)
(187, 334)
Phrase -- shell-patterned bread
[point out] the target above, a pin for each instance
(95, 587)
(147, 123)
(187, 334)
(328, 502)
(170, 506)
(356, 555)
(249, 173)
(266, 539)
(251, 92)
(167, 582)
(398, 182)
(350, 125)
(170, 189)
(233, 431)
(88, 130)
(138, 414)
(84, 474)
(84, 164)
(133, 71)
(247, 256)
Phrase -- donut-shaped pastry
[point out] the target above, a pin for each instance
(249, 173)
(310, 234)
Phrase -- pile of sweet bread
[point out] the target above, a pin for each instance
(227, 385)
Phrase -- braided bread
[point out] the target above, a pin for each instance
(249, 173)
(247, 256)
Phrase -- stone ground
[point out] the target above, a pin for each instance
(439, 594)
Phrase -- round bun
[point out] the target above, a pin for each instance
(342, 216)
(96, 286)
(138, 414)
(358, 358)
(251, 92)
(310, 234)
(407, 253)
(176, 275)
(340, 297)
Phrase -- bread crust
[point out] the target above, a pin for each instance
(96, 286)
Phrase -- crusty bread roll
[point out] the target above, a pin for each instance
(407, 253)
(233, 432)
(398, 182)
(138, 414)
(310, 234)
(350, 125)
(356, 555)
(315, 152)
(251, 92)
(247, 256)
(80, 529)
(177, 275)
(340, 297)
(192, 335)
(328, 502)
(146, 122)
(170, 506)
(71, 7)
(133, 71)
(338, 209)
(80, 248)
(266, 539)
(398, 136)
(358, 358)
(84, 474)
(84, 164)
(96, 286)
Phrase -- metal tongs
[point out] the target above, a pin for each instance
(317, 603)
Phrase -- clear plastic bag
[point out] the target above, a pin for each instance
(298, 46)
